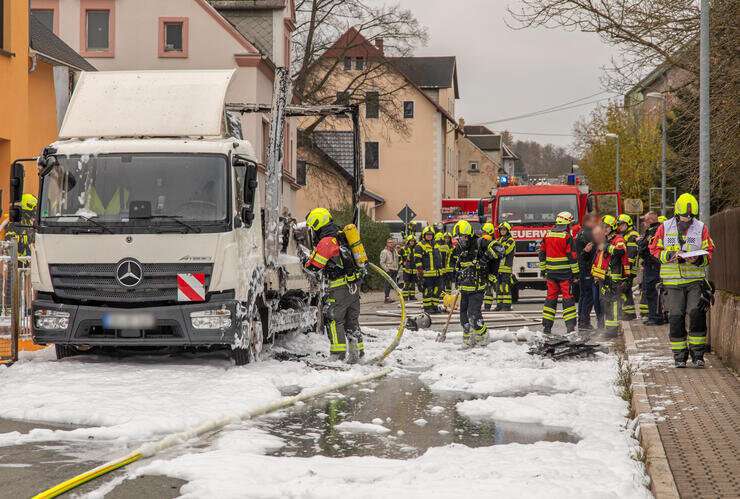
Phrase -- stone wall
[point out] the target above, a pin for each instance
(724, 328)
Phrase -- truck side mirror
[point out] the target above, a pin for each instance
(250, 193)
(17, 174)
(481, 211)
(589, 203)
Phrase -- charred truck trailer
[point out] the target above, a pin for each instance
(151, 232)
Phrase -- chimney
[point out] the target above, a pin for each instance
(379, 45)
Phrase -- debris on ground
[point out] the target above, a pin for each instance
(559, 347)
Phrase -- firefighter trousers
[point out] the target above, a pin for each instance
(649, 305)
(431, 293)
(471, 317)
(628, 301)
(409, 286)
(610, 296)
(557, 286)
(683, 300)
(342, 316)
(503, 289)
(489, 294)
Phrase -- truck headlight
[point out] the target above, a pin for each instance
(211, 319)
(51, 319)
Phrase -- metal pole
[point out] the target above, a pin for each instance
(617, 163)
(704, 114)
(662, 166)
(358, 181)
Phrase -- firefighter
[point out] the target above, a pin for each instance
(610, 270)
(445, 248)
(559, 265)
(649, 303)
(630, 236)
(23, 232)
(487, 232)
(472, 259)
(406, 263)
(684, 278)
(333, 258)
(428, 262)
(504, 280)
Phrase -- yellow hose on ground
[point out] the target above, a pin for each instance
(397, 339)
(150, 449)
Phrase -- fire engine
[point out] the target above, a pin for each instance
(531, 212)
(454, 210)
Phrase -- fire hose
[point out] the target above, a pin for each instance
(397, 339)
(148, 450)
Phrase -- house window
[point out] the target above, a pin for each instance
(342, 98)
(462, 191)
(300, 176)
(45, 16)
(359, 63)
(97, 28)
(408, 109)
(372, 159)
(173, 37)
(372, 105)
(286, 49)
(347, 63)
(473, 165)
(265, 140)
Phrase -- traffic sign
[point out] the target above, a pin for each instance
(633, 206)
(406, 214)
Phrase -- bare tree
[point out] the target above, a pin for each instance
(378, 31)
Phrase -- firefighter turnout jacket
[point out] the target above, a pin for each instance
(475, 265)
(669, 241)
(427, 258)
(333, 257)
(557, 254)
(507, 261)
(612, 263)
(630, 239)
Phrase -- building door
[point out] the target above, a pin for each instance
(462, 191)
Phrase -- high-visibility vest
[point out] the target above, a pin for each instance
(673, 272)
(602, 268)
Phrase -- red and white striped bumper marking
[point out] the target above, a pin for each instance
(191, 287)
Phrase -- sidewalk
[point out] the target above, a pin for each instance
(695, 451)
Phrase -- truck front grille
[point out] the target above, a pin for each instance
(97, 281)
(527, 247)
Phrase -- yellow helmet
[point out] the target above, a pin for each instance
(610, 221)
(410, 238)
(462, 228)
(564, 217)
(504, 225)
(318, 217)
(624, 218)
(488, 228)
(662, 219)
(28, 201)
(687, 205)
(438, 236)
(427, 230)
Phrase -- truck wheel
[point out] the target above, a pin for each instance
(241, 356)
(63, 351)
(253, 352)
(515, 292)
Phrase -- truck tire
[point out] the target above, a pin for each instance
(241, 356)
(514, 292)
(253, 352)
(63, 351)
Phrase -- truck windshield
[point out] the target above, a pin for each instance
(536, 209)
(119, 187)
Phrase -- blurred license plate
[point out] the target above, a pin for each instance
(128, 321)
(533, 265)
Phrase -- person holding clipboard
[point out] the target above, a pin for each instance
(684, 248)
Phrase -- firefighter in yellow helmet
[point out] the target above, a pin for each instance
(487, 232)
(428, 262)
(408, 268)
(332, 257)
(610, 269)
(23, 232)
(504, 279)
(474, 260)
(684, 247)
(630, 236)
(443, 244)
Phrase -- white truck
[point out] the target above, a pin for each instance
(150, 233)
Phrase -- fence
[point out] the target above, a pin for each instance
(725, 270)
(16, 295)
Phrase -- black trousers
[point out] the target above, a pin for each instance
(409, 285)
(342, 316)
(681, 301)
(471, 317)
(650, 294)
(393, 274)
(585, 300)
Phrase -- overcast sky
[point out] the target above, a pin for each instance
(504, 72)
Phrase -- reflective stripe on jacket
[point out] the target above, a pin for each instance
(507, 261)
(613, 262)
(427, 259)
(667, 241)
(557, 255)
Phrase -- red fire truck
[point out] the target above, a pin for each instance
(531, 211)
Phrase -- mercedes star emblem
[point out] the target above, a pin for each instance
(129, 273)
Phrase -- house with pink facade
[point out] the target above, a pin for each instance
(250, 36)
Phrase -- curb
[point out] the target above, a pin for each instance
(662, 484)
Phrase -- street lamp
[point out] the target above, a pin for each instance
(658, 95)
(615, 136)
